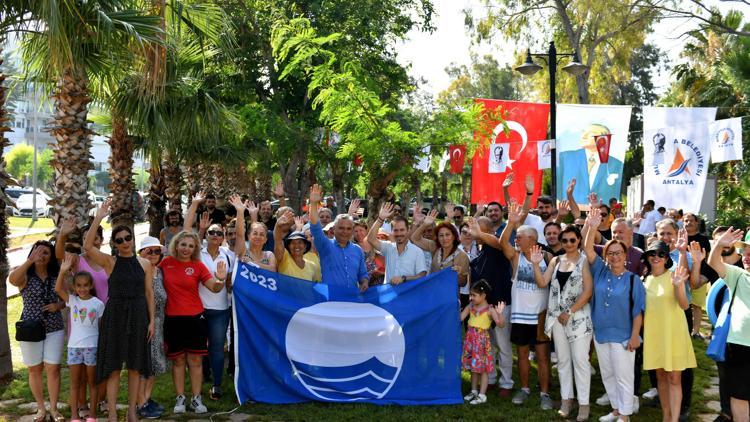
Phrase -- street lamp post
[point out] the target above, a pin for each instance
(575, 68)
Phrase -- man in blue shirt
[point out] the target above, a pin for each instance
(341, 261)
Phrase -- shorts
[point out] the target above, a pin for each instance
(185, 334)
(48, 350)
(529, 334)
(82, 355)
(738, 364)
(699, 296)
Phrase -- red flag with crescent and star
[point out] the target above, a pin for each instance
(526, 124)
(602, 146)
(458, 158)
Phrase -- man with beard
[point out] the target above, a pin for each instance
(215, 215)
(265, 215)
(404, 261)
(551, 234)
(174, 225)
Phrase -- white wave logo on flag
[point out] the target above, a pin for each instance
(343, 351)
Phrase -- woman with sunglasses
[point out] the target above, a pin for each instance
(153, 251)
(569, 318)
(128, 322)
(618, 303)
(666, 339)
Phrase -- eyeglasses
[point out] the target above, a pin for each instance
(568, 240)
(615, 253)
(217, 233)
(604, 215)
(152, 251)
(121, 240)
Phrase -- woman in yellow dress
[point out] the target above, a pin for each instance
(666, 343)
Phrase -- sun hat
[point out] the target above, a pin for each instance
(329, 226)
(150, 241)
(297, 236)
(658, 246)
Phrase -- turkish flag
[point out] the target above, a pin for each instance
(602, 146)
(458, 158)
(526, 123)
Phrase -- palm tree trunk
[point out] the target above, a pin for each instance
(121, 174)
(173, 183)
(6, 365)
(72, 150)
(155, 199)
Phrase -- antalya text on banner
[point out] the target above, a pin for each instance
(299, 341)
(579, 126)
(526, 123)
(675, 155)
(725, 137)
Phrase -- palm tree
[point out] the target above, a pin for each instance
(71, 43)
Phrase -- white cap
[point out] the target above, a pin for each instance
(329, 226)
(150, 241)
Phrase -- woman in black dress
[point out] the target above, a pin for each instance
(128, 322)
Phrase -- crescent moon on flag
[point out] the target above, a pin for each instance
(515, 127)
(457, 151)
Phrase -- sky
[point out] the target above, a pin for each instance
(429, 54)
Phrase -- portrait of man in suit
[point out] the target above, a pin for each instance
(584, 165)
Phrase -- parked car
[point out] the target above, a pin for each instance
(25, 205)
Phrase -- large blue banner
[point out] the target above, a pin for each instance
(298, 341)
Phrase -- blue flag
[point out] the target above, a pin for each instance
(298, 341)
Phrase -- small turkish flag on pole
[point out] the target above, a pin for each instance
(458, 156)
(602, 146)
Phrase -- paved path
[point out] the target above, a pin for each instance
(17, 257)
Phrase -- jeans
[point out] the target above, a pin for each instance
(218, 322)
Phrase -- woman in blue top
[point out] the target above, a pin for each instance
(617, 313)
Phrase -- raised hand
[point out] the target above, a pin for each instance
(354, 206)
(278, 190)
(449, 208)
(36, 254)
(103, 210)
(500, 307)
(199, 197)
(299, 223)
(252, 208)
(67, 263)
(205, 221)
(68, 225)
(571, 186)
(696, 252)
(529, 183)
(315, 194)
(474, 228)
(286, 219)
(594, 200)
(386, 211)
(221, 271)
(508, 180)
(537, 255)
(563, 209)
(514, 213)
(680, 276)
(729, 238)
(682, 241)
(237, 203)
(593, 220)
(431, 216)
(416, 212)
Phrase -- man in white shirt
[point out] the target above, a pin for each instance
(649, 218)
(404, 261)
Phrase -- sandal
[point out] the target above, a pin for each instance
(56, 416)
(41, 415)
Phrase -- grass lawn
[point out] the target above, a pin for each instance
(21, 225)
(495, 409)
(26, 223)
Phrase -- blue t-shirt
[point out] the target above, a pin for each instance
(610, 304)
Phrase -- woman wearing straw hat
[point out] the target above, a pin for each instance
(290, 254)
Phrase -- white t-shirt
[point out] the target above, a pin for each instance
(217, 301)
(409, 263)
(528, 300)
(84, 321)
(648, 223)
(536, 222)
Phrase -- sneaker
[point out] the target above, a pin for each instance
(103, 407)
(156, 405)
(215, 393)
(651, 394)
(471, 396)
(546, 401)
(553, 357)
(179, 404)
(603, 400)
(196, 405)
(532, 356)
(479, 399)
(609, 417)
(593, 370)
(520, 397)
(505, 392)
(636, 405)
(149, 411)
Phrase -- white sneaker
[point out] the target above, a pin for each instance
(479, 399)
(636, 405)
(609, 417)
(471, 396)
(532, 356)
(651, 394)
(179, 404)
(603, 400)
(553, 357)
(593, 370)
(197, 406)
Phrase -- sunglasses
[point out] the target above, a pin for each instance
(217, 233)
(568, 240)
(660, 254)
(152, 251)
(121, 240)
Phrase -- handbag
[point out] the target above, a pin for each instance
(30, 330)
(717, 348)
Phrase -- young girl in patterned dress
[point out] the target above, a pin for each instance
(477, 355)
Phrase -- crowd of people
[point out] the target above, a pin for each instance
(547, 279)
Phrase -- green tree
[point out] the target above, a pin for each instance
(484, 79)
(21, 164)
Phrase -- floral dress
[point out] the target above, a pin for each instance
(477, 354)
(580, 323)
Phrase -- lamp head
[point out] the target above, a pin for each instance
(529, 67)
(575, 67)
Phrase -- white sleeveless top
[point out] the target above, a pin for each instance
(528, 300)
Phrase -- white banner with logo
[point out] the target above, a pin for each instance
(675, 155)
(725, 137)
(544, 153)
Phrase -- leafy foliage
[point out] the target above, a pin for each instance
(20, 165)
